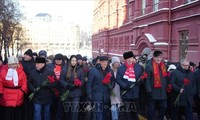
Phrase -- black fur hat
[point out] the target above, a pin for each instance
(40, 60)
(128, 54)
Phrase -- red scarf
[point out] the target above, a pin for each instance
(57, 71)
(129, 74)
(156, 73)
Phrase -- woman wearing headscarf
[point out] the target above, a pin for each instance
(72, 80)
(13, 86)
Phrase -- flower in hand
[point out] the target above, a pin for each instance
(185, 82)
(106, 81)
(77, 82)
(50, 79)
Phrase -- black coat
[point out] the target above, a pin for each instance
(74, 91)
(177, 80)
(155, 93)
(28, 66)
(45, 94)
(197, 79)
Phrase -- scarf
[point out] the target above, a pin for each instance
(12, 75)
(156, 73)
(57, 71)
(129, 73)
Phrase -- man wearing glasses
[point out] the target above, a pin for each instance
(183, 84)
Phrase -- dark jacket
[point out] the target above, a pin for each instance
(95, 88)
(45, 94)
(155, 93)
(177, 80)
(132, 93)
(28, 66)
(197, 79)
(74, 91)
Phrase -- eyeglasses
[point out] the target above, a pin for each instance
(185, 65)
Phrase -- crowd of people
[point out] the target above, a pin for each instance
(35, 87)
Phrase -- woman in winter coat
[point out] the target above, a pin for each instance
(13, 86)
(72, 80)
(116, 101)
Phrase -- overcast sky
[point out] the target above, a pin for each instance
(76, 11)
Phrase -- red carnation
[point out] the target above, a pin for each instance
(77, 82)
(144, 76)
(106, 79)
(51, 79)
(186, 81)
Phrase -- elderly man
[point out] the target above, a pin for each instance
(127, 75)
(183, 84)
(99, 86)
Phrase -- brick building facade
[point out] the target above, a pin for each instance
(172, 26)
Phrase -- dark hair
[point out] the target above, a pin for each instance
(70, 68)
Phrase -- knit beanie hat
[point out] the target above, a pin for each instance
(43, 53)
(29, 52)
(12, 60)
(115, 59)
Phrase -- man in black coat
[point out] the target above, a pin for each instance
(183, 84)
(28, 65)
(197, 79)
(40, 82)
(156, 84)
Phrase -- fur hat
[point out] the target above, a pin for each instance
(29, 52)
(43, 53)
(103, 58)
(12, 60)
(59, 57)
(115, 59)
(157, 53)
(40, 60)
(128, 54)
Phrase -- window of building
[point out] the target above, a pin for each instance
(155, 5)
(143, 6)
(183, 36)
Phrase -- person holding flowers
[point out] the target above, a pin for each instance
(99, 88)
(183, 84)
(72, 80)
(156, 84)
(57, 65)
(40, 83)
(127, 76)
